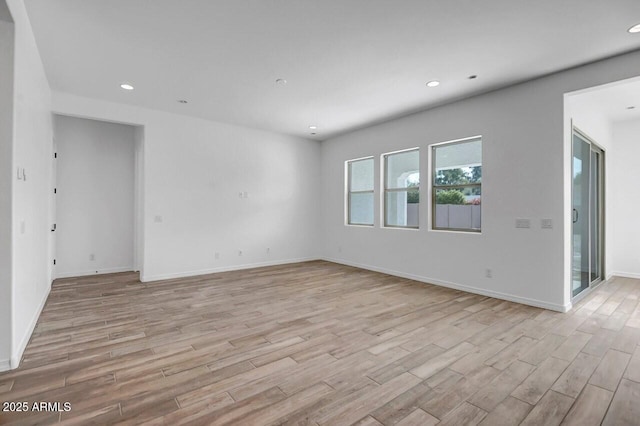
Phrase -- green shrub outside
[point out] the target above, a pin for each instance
(452, 196)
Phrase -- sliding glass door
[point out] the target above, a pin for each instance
(587, 213)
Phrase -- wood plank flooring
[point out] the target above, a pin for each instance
(323, 344)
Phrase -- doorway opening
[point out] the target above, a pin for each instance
(97, 227)
(601, 233)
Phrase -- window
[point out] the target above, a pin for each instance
(360, 192)
(457, 185)
(401, 189)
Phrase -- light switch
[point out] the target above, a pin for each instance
(523, 223)
(157, 219)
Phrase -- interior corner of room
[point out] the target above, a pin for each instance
(94, 185)
(286, 210)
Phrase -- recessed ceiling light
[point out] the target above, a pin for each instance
(182, 101)
(433, 83)
(126, 86)
(631, 107)
(634, 29)
(473, 77)
(281, 81)
(313, 127)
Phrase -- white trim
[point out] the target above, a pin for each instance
(504, 296)
(95, 272)
(468, 138)
(184, 274)
(405, 228)
(360, 159)
(400, 151)
(453, 231)
(626, 274)
(5, 365)
(17, 355)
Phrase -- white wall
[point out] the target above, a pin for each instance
(526, 174)
(32, 151)
(194, 171)
(95, 198)
(6, 179)
(625, 173)
(138, 223)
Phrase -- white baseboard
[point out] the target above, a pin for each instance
(184, 274)
(5, 365)
(94, 272)
(626, 274)
(17, 355)
(469, 289)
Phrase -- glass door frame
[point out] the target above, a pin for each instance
(593, 147)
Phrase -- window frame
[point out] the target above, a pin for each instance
(348, 164)
(435, 188)
(386, 190)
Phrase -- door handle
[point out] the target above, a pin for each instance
(575, 215)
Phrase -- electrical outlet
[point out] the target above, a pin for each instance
(523, 223)
(339, 249)
(92, 257)
(268, 250)
(239, 252)
(217, 255)
(488, 273)
(546, 224)
(157, 219)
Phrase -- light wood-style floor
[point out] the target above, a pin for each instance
(324, 344)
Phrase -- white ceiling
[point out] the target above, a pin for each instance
(348, 63)
(618, 101)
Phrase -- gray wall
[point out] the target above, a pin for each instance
(525, 175)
